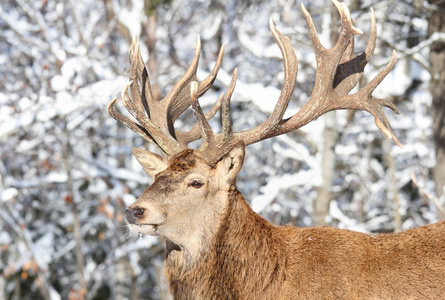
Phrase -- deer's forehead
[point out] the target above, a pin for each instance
(178, 171)
(185, 162)
(180, 167)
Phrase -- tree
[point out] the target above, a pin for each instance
(436, 26)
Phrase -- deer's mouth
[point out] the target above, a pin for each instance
(150, 229)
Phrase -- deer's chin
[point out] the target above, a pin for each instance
(149, 229)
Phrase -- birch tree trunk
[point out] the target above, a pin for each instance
(436, 23)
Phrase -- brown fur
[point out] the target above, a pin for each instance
(251, 258)
(236, 254)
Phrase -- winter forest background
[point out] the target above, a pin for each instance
(66, 168)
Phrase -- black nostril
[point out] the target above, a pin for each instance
(132, 215)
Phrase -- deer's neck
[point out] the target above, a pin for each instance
(240, 250)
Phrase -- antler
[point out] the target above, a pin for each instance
(338, 71)
(155, 119)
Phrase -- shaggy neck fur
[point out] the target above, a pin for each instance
(226, 267)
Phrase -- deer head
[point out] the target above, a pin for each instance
(187, 197)
(192, 187)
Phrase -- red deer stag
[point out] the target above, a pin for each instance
(216, 246)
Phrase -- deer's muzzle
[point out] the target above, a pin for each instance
(134, 214)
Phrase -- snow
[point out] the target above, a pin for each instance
(132, 18)
(9, 194)
(275, 185)
(53, 294)
(5, 238)
(128, 199)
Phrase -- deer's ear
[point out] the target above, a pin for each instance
(152, 163)
(229, 166)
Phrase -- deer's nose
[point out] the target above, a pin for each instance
(132, 215)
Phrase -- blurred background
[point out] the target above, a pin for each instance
(66, 168)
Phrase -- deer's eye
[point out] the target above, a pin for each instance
(195, 184)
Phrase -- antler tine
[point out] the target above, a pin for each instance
(139, 76)
(370, 47)
(290, 70)
(215, 146)
(226, 133)
(179, 96)
(178, 99)
(206, 131)
(374, 106)
(184, 138)
(330, 58)
(204, 85)
(223, 102)
(127, 122)
(269, 127)
(354, 65)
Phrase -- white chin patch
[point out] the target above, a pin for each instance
(143, 229)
